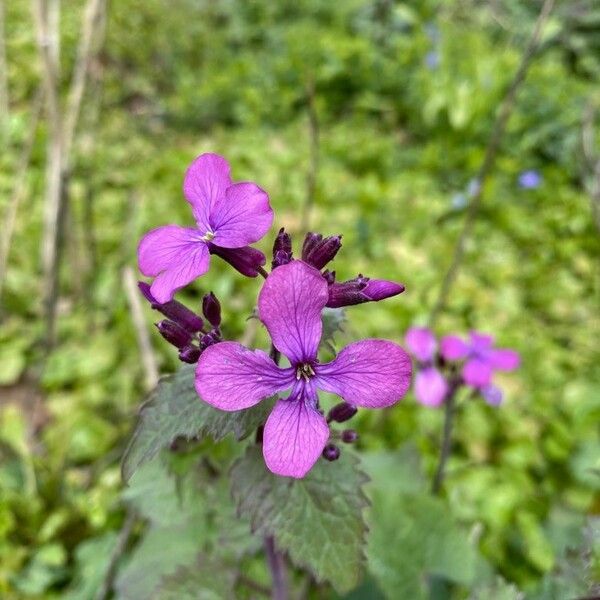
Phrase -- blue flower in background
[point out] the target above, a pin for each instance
(529, 180)
(432, 60)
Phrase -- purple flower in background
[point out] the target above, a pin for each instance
(431, 386)
(370, 373)
(529, 180)
(228, 215)
(481, 360)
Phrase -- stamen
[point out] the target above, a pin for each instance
(209, 236)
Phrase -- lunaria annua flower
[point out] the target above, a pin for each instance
(431, 386)
(228, 215)
(481, 360)
(370, 373)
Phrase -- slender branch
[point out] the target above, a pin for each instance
(276, 564)
(489, 159)
(313, 167)
(446, 447)
(10, 216)
(137, 314)
(118, 551)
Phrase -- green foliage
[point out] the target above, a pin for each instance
(317, 520)
(175, 411)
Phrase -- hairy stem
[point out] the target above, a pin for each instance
(446, 447)
(276, 563)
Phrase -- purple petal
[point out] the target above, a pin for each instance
(477, 372)
(204, 184)
(246, 260)
(294, 437)
(504, 359)
(290, 305)
(453, 348)
(380, 289)
(232, 377)
(242, 216)
(480, 342)
(370, 373)
(492, 395)
(421, 342)
(175, 256)
(430, 387)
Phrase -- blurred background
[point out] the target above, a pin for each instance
(370, 118)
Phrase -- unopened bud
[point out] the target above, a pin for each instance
(173, 310)
(246, 260)
(331, 452)
(282, 249)
(329, 276)
(318, 251)
(211, 308)
(173, 333)
(208, 340)
(349, 436)
(361, 289)
(190, 354)
(342, 412)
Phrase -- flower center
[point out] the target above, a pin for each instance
(209, 236)
(305, 371)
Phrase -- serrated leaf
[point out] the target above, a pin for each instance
(206, 579)
(317, 520)
(174, 410)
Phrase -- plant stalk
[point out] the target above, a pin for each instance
(446, 447)
(276, 563)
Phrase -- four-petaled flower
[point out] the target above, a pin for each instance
(481, 360)
(370, 373)
(431, 386)
(228, 215)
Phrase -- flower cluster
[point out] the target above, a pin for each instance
(457, 362)
(371, 373)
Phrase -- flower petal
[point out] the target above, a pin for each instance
(504, 359)
(175, 256)
(477, 372)
(480, 342)
(204, 184)
(242, 216)
(370, 373)
(430, 387)
(231, 377)
(453, 348)
(421, 342)
(492, 395)
(294, 437)
(290, 305)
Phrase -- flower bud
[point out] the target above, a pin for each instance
(329, 276)
(342, 412)
(318, 251)
(211, 308)
(361, 289)
(331, 452)
(173, 310)
(349, 436)
(190, 354)
(209, 339)
(282, 249)
(174, 334)
(246, 260)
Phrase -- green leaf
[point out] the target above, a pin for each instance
(317, 520)
(425, 543)
(174, 410)
(207, 579)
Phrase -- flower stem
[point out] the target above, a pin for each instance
(262, 272)
(446, 447)
(276, 563)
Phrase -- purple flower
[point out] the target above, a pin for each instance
(370, 373)
(530, 180)
(481, 360)
(431, 386)
(228, 216)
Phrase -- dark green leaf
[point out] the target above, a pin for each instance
(317, 520)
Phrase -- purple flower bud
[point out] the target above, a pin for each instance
(361, 289)
(282, 249)
(246, 260)
(331, 452)
(342, 412)
(174, 334)
(349, 436)
(208, 340)
(189, 354)
(173, 310)
(318, 251)
(329, 276)
(211, 308)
